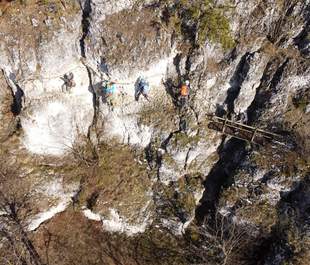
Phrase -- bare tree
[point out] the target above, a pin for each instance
(219, 241)
(14, 208)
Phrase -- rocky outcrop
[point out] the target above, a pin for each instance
(142, 166)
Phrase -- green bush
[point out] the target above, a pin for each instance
(208, 19)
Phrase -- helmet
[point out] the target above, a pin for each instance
(187, 82)
(69, 76)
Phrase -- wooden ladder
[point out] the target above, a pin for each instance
(243, 131)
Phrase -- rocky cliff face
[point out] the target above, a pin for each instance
(129, 181)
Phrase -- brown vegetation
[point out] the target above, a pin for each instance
(15, 193)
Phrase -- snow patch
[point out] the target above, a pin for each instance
(42, 217)
(177, 227)
(211, 82)
(198, 196)
(225, 211)
(167, 175)
(116, 223)
(54, 190)
(119, 224)
(299, 81)
(91, 215)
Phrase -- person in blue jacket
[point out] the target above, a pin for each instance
(142, 87)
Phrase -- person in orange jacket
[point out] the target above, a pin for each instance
(184, 93)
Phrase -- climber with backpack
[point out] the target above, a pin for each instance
(68, 82)
(142, 87)
(184, 93)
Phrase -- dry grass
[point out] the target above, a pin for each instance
(119, 180)
(160, 113)
(212, 66)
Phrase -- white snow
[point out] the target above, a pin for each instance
(224, 211)
(49, 131)
(177, 227)
(103, 8)
(259, 174)
(44, 216)
(91, 215)
(53, 190)
(198, 195)
(53, 120)
(211, 82)
(299, 81)
(168, 174)
(117, 224)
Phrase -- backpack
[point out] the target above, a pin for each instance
(144, 86)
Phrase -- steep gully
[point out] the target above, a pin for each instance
(17, 93)
(18, 99)
(234, 151)
(86, 7)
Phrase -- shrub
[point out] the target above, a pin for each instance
(204, 16)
